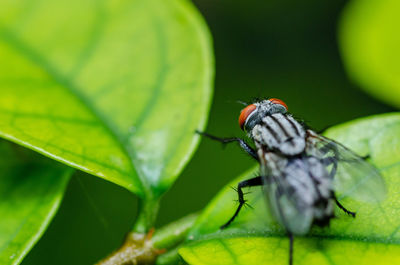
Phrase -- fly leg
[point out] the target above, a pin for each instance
(291, 239)
(353, 214)
(247, 148)
(257, 181)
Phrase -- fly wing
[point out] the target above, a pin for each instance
(352, 175)
(285, 198)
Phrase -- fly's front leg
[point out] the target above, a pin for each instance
(247, 148)
(257, 181)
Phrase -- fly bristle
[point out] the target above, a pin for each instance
(248, 205)
(234, 188)
(302, 121)
(242, 102)
(257, 99)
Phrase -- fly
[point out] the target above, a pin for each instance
(301, 172)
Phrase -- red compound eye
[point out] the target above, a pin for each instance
(278, 101)
(245, 113)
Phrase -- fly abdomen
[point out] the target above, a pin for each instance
(280, 132)
(300, 192)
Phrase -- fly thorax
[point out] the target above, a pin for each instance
(280, 132)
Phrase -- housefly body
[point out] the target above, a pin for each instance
(301, 172)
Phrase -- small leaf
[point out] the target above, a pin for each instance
(373, 237)
(114, 88)
(369, 41)
(31, 189)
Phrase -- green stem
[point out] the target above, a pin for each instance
(170, 236)
(138, 249)
(170, 258)
(173, 233)
(148, 211)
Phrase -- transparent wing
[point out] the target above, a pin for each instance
(352, 175)
(286, 202)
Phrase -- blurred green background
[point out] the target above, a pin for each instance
(285, 49)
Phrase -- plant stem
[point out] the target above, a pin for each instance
(170, 258)
(147, 215)
(170, 236)
(144, 248)
(174, 233)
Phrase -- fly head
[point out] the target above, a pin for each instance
(253, 113)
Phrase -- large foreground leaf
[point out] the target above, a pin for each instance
(114, 88)
(370, 41)
(373, 237)
(31, 190)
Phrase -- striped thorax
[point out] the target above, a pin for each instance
(280, 133)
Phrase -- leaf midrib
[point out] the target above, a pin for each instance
(355, 238)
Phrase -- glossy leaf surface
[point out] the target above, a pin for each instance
(31, 189)
(114, 88)
(373, 237)
(370, 43)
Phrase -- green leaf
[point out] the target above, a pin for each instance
(369, 42)
(373, 237)
(114, 88)
(31, 189)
